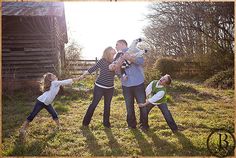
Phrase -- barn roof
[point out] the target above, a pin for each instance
(32, 8)
(37, 9)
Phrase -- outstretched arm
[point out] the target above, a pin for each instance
(158, 96)
(143, 104)
(148, 90)
(81, 77)
(153, 99)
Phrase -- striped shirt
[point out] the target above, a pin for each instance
(106, 77)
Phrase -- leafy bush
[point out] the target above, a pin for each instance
(151, 74)
(167, 66)
(223, 79)
(72, 52)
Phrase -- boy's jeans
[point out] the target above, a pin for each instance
(138, 93)
(38, 107)
(166, 113)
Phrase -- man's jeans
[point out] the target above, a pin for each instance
(38, 107)
(166, 113)
(138, 93)
(98, 92)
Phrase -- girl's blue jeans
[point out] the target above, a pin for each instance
(38, 107)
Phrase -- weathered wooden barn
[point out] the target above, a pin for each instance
(33, 39)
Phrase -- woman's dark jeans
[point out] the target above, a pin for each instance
(38, 107)
(166, 113)
(98, 92)
(138, 93)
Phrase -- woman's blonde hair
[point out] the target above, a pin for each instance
(46, 81)
(106, 54)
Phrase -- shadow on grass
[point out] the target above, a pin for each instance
(13, 117)
(113, 144)
(188, 148)
(144, 145)
(162, 147)
(180, 88)
(74, 93)
(93, 146)
(35, 148)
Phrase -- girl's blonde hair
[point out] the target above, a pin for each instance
(106, 54)
(46, 81)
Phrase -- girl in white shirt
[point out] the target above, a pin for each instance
(51, 87)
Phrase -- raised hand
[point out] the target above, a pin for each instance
(112, 66)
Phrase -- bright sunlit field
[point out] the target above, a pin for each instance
(195, 108)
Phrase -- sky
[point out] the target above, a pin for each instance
(97, 25)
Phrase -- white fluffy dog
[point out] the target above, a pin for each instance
(121, 64)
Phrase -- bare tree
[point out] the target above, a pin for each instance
(73, 50)
(196, 30)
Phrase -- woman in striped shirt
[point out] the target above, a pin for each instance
(104, 86)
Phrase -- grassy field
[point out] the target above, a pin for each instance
(195, 108)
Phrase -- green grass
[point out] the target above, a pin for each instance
(195, 108)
